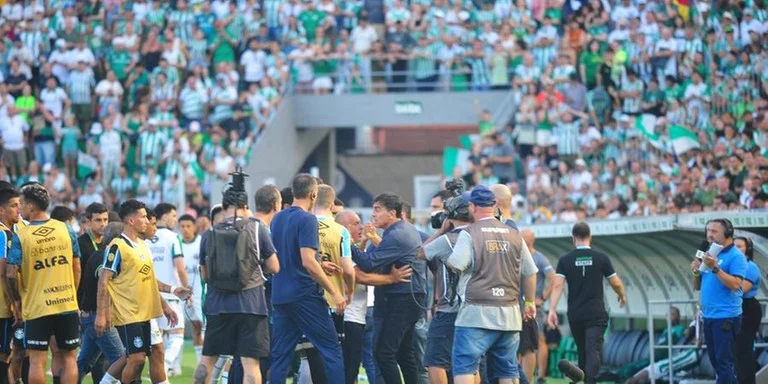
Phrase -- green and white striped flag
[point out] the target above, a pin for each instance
(86, 165)
(454, 157)
(682, 139)
(646, 124)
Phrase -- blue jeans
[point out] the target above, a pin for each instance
(309, 316)
(470, 344)
(419, 347)
(720, 335)
(368, 363)
(92, 346)
(45, 152)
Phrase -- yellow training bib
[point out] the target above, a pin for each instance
(133, 287)
(47, 279)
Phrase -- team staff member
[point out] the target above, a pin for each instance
(297, 300)
(532, 336)
(355, 314)
(503, 203)
(398, 307)
(94, 221)
(336, 258)
(107, 348)
(721, 298)
(584, 269)
(128, 296)
(490, 257)
(47, 254)
(751, 314)
(437, 248)
(10, 202)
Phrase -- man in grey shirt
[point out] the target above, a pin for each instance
(437, 248)
(489, 256)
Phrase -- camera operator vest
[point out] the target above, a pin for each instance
(495, 279)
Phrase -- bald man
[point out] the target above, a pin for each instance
(504, 203)
(532, 336)
(355, 343)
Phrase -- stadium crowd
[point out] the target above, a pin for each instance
(103, 101)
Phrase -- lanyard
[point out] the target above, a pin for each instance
(93, 242)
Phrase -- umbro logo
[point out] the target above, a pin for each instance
(43, 231)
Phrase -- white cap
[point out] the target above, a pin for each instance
(194, 127)
(96, 128)
(47, 167)
(152, 121)
(581, 162)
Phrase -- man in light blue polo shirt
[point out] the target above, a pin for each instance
(721, 298)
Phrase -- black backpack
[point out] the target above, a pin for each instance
(232, 256)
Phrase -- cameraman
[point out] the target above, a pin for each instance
(398, 306)
(237, 322)
(491, 257)
(436, 249)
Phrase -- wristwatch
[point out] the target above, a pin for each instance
(715, 270)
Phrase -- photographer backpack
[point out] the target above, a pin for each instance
(231, 266)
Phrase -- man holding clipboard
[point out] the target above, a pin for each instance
(721, 270)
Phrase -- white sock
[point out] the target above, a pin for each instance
(173, 347)
(218, 368)
(165, 382)
(108, 379)
(199, 352)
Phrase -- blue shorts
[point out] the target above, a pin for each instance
(470, 344)
(440, 341)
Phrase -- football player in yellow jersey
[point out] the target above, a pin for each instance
(10, 203)
(47, 254)
(128, 294)
(336, 259)
(335, 244)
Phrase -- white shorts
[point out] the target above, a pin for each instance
(163, 322)
(194, 312)
(323, 82)
(156, 335)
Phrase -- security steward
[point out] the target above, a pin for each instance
(437, 248)
(490, 257)
(584, 269)
(721, 298)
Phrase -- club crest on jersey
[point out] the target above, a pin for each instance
(111, 256)
(138, 342)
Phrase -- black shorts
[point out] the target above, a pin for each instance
(529, 337)
(236, 334)
(6, 335)
(65, 327)
(136, 337)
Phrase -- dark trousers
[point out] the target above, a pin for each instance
(744, 350)
(394, 318)
(352, 347)
(589, 337)
(720, 335)
(311, 317)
